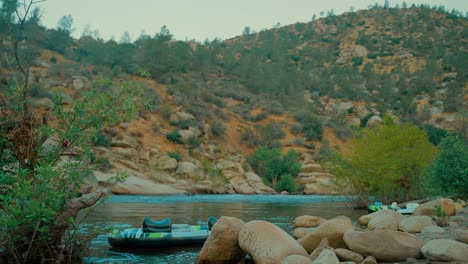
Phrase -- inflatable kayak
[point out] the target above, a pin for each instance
(378, 206)
(162, 233)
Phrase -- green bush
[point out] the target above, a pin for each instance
(447, 174)
(175, 155)
(185, 124)
(271, 132)
(385, 161)
(286, 183)
(175, 137)
(312, 125)
(271, 165)
(436, 135)
(249, 137)
(217, 128)
(299, 141)
(275, 108)
(357, 61)
(296, 128)
(194, 142)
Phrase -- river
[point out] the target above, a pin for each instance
(124, 211)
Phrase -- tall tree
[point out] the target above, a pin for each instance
(385, 161)
(447, 175)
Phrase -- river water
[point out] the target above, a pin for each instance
(124, 211)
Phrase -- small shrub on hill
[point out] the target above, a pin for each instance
(175, 155)
(217, 128)
(194, 142)
(175, 137)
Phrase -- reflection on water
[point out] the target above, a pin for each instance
(125, 211)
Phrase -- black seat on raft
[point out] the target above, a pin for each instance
(164, 225)
(211, 221)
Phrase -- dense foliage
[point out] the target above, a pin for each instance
(448, 174)
(45, 154)
(386, 161)
(277, 169)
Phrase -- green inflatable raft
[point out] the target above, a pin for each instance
(156, 234)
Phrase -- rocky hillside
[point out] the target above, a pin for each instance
(301, 86)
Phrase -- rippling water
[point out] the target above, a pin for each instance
(123, 211)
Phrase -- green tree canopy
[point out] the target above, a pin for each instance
(448, 173)
(385, 161)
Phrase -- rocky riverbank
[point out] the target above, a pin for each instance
(381, 237)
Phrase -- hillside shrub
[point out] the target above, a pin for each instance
(249, 137)
(175, 137)
(194, 142)
(218, 128)
(296, 128)
(357, 61)
(275, 108)
(175, 155)
(312, 125)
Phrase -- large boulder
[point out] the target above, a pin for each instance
(445, 250)
(447, 205)
(301, 232)
(241, 186)
(226, 165)
(384, 244)
(186, 134)
(251, 178)
(261, 188)
(433, 232)
(308, 221)
(222, 246)
(383, 219)
(266, 243)
(374, 121)
(187, 169)
(322, 185)
(332, 230)
(415, 224)
(125, 142)
(164, 162)
(461, 235)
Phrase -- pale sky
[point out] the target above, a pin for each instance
(201, 19)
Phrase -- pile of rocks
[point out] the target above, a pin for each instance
(384, 236)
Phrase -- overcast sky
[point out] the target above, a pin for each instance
(200, 19)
